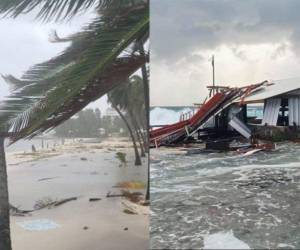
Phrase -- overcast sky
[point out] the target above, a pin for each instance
(252, 40)
(25, 42)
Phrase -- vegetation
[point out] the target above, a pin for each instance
(128, 98)
(89, 123)
(101, 57)
(122, 158)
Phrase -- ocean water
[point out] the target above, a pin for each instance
(26, 145)
(168, 115)
(226, 200)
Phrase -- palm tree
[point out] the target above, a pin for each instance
(99, 58)
(5, 242)
(138, 161)
(136, 109)
(128, 98)
(147, 108)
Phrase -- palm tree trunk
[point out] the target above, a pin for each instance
(138, 161)
(146, 92)
(142, 126)
(140, 142)
(5, 242)
(142, 136)
(147, 105)
(136, 128)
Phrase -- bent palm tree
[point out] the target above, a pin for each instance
(99, 58)
(128, 97)
(138, 161)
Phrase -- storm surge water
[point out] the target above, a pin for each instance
(167, 115)
(226, 200)
(163, 115)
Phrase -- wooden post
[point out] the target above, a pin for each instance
(5, 242)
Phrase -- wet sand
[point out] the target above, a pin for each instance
(84, 170)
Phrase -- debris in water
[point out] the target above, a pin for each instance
(46, 179)
(132, 196)
(47, 202)
(14, 211)
(122, 158)
(43, 203)
(95, 199)
(135, 197)
(134, 208)
(131, 185)
(110, 195)
(128, 211)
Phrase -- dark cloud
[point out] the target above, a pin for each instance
(178, 27)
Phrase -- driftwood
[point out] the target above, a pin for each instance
(133, 197)
(49, 203)
(14, 211)
(95, 199)
(63, 201)
(18, 212)
(48, 178)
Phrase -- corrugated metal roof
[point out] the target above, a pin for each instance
(279, 87)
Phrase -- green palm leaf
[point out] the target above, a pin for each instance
(58, 9)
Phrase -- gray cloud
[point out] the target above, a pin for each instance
(178, 28)
(25, 42)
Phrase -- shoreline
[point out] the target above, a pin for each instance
(82, 170)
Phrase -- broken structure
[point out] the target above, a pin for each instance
(224, 115)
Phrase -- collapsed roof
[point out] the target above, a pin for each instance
(223, 98)
(274, 88)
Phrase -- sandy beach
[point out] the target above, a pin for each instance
(83, 170)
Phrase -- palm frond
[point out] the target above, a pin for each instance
(57, 9)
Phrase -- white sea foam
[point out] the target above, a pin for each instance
(224, 240)
(163, 116)
(223, 170)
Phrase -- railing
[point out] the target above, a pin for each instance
(186, 116)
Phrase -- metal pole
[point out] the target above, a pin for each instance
(213, 66)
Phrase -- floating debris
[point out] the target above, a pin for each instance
(48, 178)
(48, 202)
(94, 199)
(131, 185)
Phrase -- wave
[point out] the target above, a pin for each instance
(164, 116)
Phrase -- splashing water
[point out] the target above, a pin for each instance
(164, 116)
(255, 198)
